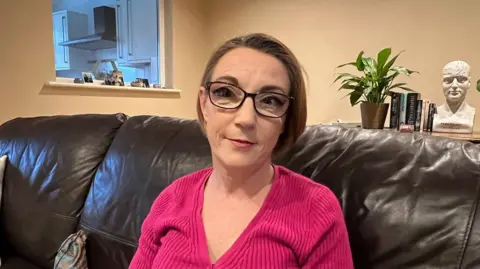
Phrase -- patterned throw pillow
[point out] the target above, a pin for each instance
(72, 253)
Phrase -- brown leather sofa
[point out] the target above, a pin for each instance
(410, 201)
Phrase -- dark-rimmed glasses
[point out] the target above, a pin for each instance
(229, 96)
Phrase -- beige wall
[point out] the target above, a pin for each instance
(27, 61)
(322, 33)
(326, 33)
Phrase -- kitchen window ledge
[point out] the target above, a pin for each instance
(64, 86)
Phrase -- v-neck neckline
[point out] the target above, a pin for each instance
(240, 241)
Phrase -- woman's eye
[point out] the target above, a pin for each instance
(272, 101)
(222, 92)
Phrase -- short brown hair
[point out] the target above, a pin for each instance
(297, 112)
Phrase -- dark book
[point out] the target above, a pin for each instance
(395, 110)
(402, 110)
(431, 114)
(418, 117)
(426, 105)
(411, 108)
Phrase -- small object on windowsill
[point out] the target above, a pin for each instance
(139, 82)
(115, 79)
(406, 128)
(145, 82)
(78, 81)
(87, 77)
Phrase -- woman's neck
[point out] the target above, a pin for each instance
(241, 181)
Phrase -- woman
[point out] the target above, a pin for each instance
(245, 212)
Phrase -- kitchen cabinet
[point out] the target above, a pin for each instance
(68, 25)
(137, 31)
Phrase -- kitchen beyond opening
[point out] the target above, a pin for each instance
(100, 36)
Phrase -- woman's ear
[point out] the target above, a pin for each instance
(202, 94)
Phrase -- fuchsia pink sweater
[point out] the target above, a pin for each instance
(300, 225)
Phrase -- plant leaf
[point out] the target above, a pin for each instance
(354, 97)
(348, 94)
(370, 66)
(387, 66)
(407, 89)
(343, 75)
(402, 70)
(367, 90)
(348, 86)
(359, 62)
(396, 85)
(382, 58)
(342, 65)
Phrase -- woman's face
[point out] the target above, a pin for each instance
(241, 137)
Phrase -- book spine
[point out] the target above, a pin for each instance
(411, 108)
(426, 105)
(394, 110)
(403, 109)
(418, 116)
(434, 112)
(431, 113)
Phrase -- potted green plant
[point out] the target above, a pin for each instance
(374, 85)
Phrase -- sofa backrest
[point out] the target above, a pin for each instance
(147, 154)
(51, 163)
(409, 199)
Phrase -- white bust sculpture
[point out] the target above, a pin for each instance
(455, 115)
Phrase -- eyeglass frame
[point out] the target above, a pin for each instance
(245, 96)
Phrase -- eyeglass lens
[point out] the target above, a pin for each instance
(270, 104)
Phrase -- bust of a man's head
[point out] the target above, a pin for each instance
(456, 81)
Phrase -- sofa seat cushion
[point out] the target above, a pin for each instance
(18, 263)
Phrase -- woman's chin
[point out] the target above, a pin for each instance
(239, 159)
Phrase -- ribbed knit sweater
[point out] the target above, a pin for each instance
(299, 225)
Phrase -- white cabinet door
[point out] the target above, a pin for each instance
(137, 34)
(69, 25)
(143, 27)
(122, 33)
(60, 34)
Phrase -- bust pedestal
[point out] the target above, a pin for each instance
(461, 122)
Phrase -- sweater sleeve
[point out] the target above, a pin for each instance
(331, 249)
(149, 241)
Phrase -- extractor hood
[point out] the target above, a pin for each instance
(105, 36)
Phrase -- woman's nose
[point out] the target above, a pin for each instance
(246, 114)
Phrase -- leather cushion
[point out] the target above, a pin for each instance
(147, 154)
(408, 199)
(52, 161)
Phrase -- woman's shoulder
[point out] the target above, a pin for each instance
(301, 183)
(315, 196)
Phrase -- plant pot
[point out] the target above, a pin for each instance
(373, 115)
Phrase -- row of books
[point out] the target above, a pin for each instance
(408, 109)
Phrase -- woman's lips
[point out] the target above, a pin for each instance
(241, 143)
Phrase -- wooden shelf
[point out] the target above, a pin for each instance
(474, 137)
(96, 89)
